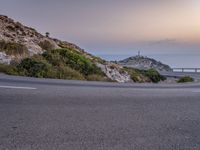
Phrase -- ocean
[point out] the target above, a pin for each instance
(173, 60)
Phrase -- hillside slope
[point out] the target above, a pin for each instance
(18, 42)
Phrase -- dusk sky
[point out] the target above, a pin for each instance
(168, 30)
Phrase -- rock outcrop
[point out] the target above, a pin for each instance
(114, 72)
(16, 32)
(144, 63)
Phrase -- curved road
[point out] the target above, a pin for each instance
(49, 114)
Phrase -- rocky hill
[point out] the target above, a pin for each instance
(18, 42)
(15, 32)
(26, 52)
(144, 63)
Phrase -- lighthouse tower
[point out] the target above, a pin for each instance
(139, 54)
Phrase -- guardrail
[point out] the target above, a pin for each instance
(196, 70)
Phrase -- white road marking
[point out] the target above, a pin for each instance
(18, 87)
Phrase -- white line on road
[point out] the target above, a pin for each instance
(18, 87)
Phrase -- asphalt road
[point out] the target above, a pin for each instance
(43, 114)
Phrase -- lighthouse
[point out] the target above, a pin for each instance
(139, 54)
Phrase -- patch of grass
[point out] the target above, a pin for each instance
(185, 79)
(68, 73)
(95, 77)
(12, 48)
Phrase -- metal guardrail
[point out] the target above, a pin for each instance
(196, 70)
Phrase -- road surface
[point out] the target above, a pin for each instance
(44, 114)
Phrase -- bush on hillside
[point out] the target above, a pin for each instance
(137, 75)
(154, 75)
(39, 67)
(8, 69)
(34, 68)
(3, 68)
(73, 60)
(185, 79)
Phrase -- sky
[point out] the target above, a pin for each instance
(168, 30)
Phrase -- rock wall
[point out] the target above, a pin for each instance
(115, 73)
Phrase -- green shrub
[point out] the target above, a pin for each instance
(73, 60)
(3, 67)
(8, 69)
(34, 68)
(38, 67)
(185, 79)
(137, 75)
(12, 48)
(154, 76)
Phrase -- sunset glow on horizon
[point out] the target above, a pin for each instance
(115, 26)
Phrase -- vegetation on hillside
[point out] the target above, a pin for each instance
(59, 63)
(136, 75)
(185, 79)
(8, 69)
(12, 48)
(80, 51)
(65, 63)
(154, 75)
(72, 59)
(142, 76)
